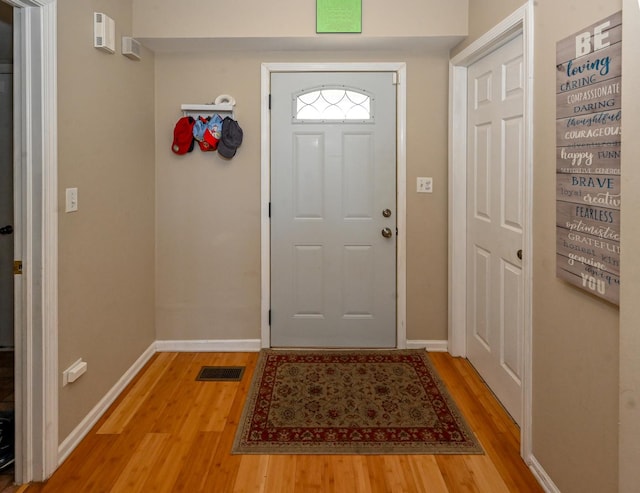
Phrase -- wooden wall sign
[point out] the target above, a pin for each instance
(588, 135)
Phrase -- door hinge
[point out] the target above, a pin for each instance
(269, 101)
(269, 317)
(269, 209)
(17, 267)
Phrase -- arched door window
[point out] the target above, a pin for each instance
(333, 104)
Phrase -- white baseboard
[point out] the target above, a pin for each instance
(541, 475)
(208, 346)
(434, 346)
(76, 436)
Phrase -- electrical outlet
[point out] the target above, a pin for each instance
(424, 184)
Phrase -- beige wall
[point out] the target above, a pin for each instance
(292, 18)
(207, 214)
(208, 209)
(483, 15)
(106, 254)
(575, 335)
(629, 455)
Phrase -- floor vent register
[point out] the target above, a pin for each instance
(221, 374)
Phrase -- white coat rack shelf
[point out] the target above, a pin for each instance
(223, 106)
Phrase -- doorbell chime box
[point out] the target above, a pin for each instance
(104, 32)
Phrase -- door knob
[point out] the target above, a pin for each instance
(386, 213)
(519, 254)
(6, 230)
(386, 232)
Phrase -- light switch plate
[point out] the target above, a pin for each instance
(71, 195)
(424, 184)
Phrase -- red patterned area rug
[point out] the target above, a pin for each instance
(350, 402)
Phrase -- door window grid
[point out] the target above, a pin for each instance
(335, 104)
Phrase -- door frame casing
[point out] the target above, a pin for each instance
(35, 156)
(399, 69)
(520, 22)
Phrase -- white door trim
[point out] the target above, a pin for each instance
(35, 127)
(401, 163)
(521, 21)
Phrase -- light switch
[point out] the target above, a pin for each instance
(424, 184)
(72, 200)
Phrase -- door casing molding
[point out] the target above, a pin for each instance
(35, 155)
(521, 21)
(400, 70)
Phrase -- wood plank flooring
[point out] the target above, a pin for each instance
(170, 433)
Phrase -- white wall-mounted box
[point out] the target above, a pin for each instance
(131, 48)
(75, 371)
(104, 32)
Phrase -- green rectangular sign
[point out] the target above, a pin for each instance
(338, 16)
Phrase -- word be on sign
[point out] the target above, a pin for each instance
(600, 39)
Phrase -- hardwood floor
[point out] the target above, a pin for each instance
(169, 433)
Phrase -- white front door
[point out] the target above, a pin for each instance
(333, 209)
(495, 221)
